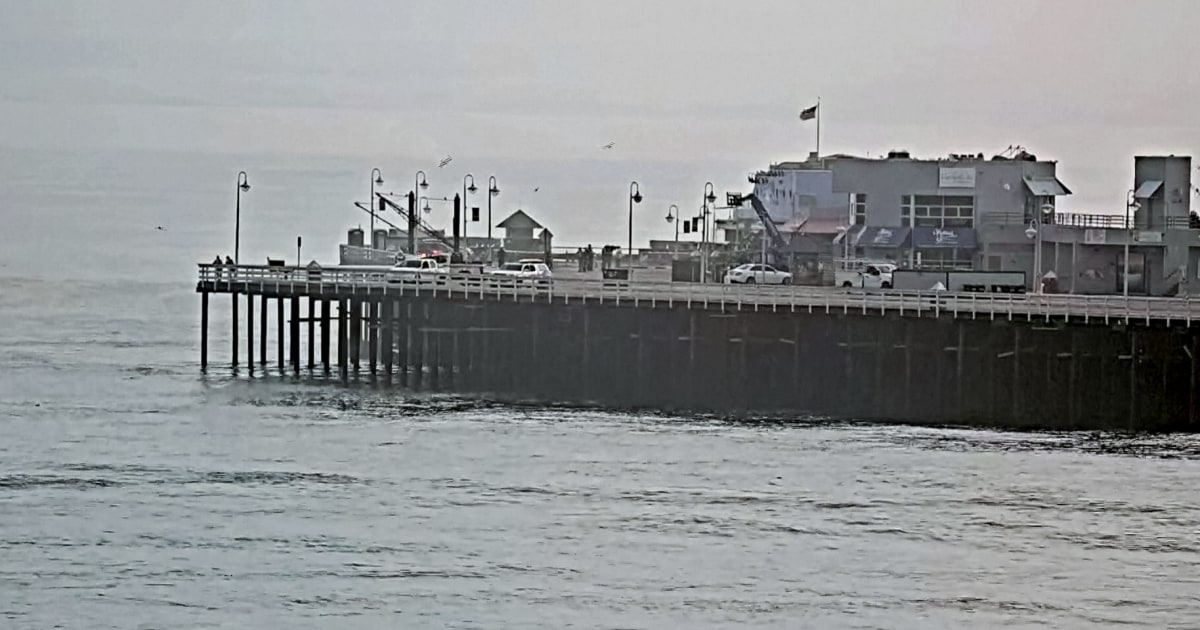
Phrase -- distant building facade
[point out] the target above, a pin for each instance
(972, 212)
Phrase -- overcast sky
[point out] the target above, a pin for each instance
(689, 90)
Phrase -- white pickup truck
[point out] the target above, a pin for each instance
(418, 271)
(867, 276)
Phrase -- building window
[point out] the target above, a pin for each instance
(858, 208)
(940, 211)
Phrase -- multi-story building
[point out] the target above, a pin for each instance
(965, 211)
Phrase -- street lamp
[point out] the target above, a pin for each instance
(1034, 233)
(243, 184)
(710, 196)
(376, 178)
(467, 189)
(1131, 203)
(635, 196)
(493, 190)
(672, 215)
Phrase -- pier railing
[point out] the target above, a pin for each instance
(337, 281)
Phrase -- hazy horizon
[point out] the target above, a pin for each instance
(530, 91)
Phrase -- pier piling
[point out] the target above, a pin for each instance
(279, 332)
(203, 330)
(250, 332)
(312, 326)
(262, 333)
(234, 329)
(373, 308)
(294, 327)
(343, 338)
(325, 335)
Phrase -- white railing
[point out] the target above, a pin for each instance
(333, 280)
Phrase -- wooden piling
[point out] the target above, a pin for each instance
(234, 331)
(312, 326)
(325, 332)
(279, 332)
(388, 312)
(204, 331)
(250, 332)
(262, 332)
(344, 338)
(356, 307)
(294, 328)
(373, 307)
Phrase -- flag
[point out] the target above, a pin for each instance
(809, 114)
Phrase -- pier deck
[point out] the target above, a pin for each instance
(1035, 361)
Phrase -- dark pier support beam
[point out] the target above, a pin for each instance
(325, 332)
(234, 335)
(279, 332)
(250, 332)
(373, 307)
(420, 343)
(262, 332)
(1015, 391)
(204, 333)
(343, 338)
(389, 351)
(294, 327)
(312, 325)
(1133, 378)
(1193, 414)
(356, 307)
(404, 330)
(1072, 381)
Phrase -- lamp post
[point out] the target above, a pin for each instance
(376, 178)
(467, 189)
(672, 215)
(709, 197)
(493, 190)
(1131, 203)
(243, 184)
(1034, 232)
(635, 196)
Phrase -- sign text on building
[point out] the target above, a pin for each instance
(956, 177)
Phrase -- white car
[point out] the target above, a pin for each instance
(521, 273)
(871, 276)
(752, 273)
(527, 270)
(417, 270)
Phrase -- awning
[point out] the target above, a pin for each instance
(1147, 189)
(945, 238)
(1046, 187)
(883, 237)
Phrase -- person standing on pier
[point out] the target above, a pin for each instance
(216, 263)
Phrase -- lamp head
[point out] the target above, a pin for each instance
(711, 197)
(637, 197)
(245, 185)
(379, 179)
(471, 189)
(670, 218)
(494, 191)
(1030, 232)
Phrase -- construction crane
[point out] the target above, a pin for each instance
(415, 222)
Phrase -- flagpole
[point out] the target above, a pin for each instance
(818, 127)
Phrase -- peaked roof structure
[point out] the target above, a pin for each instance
(519, 220)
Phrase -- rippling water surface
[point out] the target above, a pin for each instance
(136, 493)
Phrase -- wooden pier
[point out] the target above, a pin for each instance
(1033, 361)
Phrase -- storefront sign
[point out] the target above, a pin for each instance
(956, 177)
(1149, 237)
(1095, 236)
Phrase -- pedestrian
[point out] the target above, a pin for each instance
(216, 263)
(590, 255)
(500, 257)
(579, 258)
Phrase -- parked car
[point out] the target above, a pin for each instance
(751, 273)
(417, 270)
(870, 276)
(522, 270)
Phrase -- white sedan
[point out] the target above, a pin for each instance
(522, 274)
(757, 274)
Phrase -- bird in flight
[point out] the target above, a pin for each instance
(609, 145)
(446, 160)
(537, 189)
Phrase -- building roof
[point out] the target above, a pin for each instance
(519, 221)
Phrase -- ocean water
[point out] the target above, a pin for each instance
(136, 492)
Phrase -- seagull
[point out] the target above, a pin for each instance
(537, 189)
(609, 145)
(446, 160)
(161, 229)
